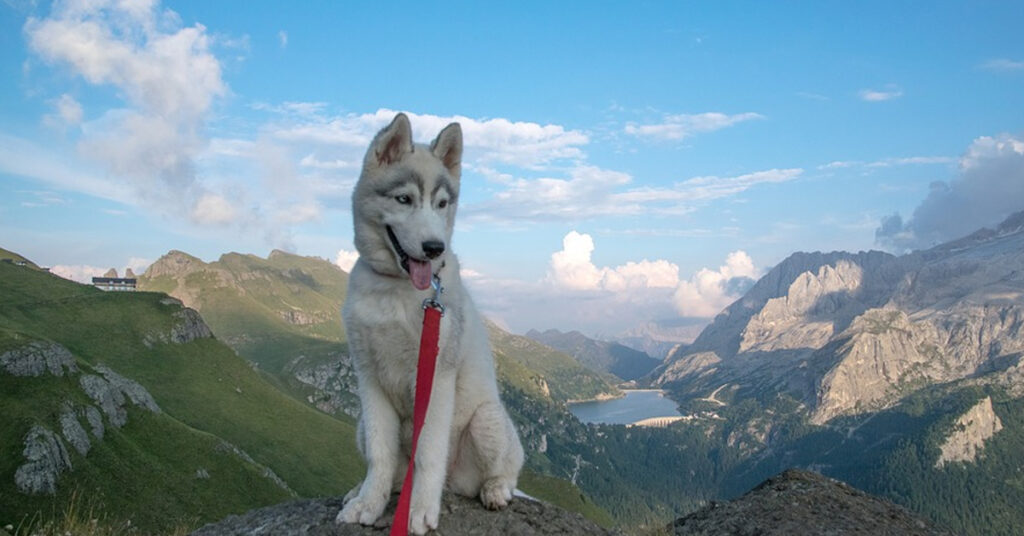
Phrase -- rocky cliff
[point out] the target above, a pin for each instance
(851, 333)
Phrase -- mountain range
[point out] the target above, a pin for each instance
(622, 362)
(899, 374)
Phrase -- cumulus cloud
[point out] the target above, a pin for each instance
(168, 79)
(878, 95)
(576, 293)
(346, 259)
(988, 187)
(708, 292)
(680, 126)
(572, 268)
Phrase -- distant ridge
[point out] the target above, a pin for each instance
(621, 361)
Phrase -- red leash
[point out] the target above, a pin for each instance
(429, 337)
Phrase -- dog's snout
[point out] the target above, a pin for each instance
(433, 248)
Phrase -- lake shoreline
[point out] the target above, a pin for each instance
(633, 406)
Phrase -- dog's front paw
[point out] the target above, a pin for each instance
(361, 510)
(424, 517)
(495, 494)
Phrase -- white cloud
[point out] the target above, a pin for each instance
(890, 162)
(680, 126)
(592, 192)
(500, 140)
(346, 259)
(167, 77)
(213, 209)
(572, 268)
(878, 95)
(312, 161)
(577, 294)
(988, 187)
(282, 38)
(708, 292)
(300, 213)
(68, 112)
(81, 273)
(1003, 65)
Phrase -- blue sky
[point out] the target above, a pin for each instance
(625, 162)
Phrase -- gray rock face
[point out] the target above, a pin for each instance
(73, 431)
(851, 333)
(112, 392)
(190, 327)
(460, 516)
(37, 358)
(334, 383)
(46, 458)
(801, 502)
(972, 430)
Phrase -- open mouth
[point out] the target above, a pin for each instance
(419, 271)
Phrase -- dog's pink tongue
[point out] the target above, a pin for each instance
(419, 272)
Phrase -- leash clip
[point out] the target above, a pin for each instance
(435, 301)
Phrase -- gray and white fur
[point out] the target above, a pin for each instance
(468, 442)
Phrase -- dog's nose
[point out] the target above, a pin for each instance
(433, 248)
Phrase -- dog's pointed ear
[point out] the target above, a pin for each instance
(448, 147)
(391, 143)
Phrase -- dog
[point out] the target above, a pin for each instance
(403, 209)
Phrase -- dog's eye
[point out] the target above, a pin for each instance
(403, 199)
(443, 203)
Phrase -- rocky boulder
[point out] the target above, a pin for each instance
(801, 502)
(459, 516)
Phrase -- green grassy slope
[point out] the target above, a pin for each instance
(269, 310)
(543, 372)
(205, 390)
(247, 301)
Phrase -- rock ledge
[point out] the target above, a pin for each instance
(460, 516)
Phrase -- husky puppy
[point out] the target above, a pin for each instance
(404, 208)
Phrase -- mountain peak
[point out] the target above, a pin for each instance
(802, 502)
(174, 262)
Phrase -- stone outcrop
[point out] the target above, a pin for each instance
(333, 383)
(970, 433)
(801, 502)
(46, 458)
(112, 392)
(460, 516)
(188, 326)
(37, 358)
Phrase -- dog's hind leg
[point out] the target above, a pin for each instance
(379, 427)
(499, 453)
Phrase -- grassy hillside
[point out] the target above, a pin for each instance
(543, 372)
(207, 394)
(269, 310)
